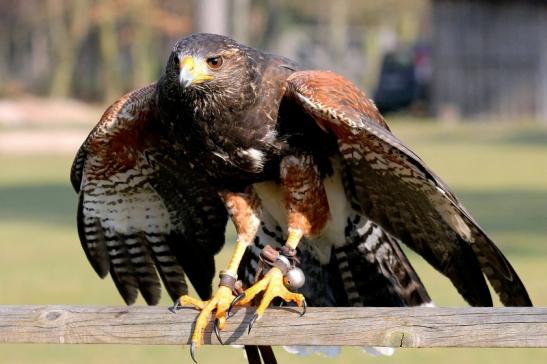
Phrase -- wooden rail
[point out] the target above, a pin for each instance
(398, 327)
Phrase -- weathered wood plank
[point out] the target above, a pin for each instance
(399, 327)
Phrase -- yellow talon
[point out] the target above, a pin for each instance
(220, 302)
(273, 286)
(191, 301)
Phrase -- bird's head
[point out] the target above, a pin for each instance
(209, 72)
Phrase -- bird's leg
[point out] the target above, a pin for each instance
(244, 209)
(307, 212)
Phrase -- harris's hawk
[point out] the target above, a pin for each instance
(290, 155)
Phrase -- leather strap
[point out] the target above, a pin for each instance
(284, 259)
(227, 280)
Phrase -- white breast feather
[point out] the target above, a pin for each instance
(272, 199)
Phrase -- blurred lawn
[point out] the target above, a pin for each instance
(500, 172)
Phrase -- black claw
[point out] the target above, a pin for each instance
(237, 298)
(193, 352)
(253, 320)
(304, 307)
(175, 307)
(217, 332)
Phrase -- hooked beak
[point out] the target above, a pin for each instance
(192, 71)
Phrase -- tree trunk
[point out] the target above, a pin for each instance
(142, 47)
(108, 41)
(65, 38)
(240, 20)
(211, 16)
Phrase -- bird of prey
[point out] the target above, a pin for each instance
(292, 155)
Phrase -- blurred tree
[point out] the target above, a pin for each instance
(211, 16)
(69, 24)
(95, 49)
(109, 50)
(240, 20)
(144, 60)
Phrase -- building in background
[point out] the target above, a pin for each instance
(490, 59)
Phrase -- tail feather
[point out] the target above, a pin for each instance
(367, 269)
(372, 270)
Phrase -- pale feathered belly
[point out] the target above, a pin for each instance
(333, 233)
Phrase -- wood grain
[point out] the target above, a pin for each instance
(398, 327)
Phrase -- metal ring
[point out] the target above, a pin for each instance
(284, 259)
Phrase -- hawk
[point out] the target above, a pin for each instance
(295, 157)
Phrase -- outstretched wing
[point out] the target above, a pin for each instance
(142, 208)
(393, 187)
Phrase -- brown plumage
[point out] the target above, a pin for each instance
(142, 208)
(394, 188)
(312, 157)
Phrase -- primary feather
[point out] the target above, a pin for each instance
(150, 173)
(142, 207)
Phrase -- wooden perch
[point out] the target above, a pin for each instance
(398, 327)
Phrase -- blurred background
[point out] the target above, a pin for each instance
(464, 83)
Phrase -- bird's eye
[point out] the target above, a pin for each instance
(176, 60)
(214, 62)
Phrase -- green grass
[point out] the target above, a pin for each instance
(499, 171)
